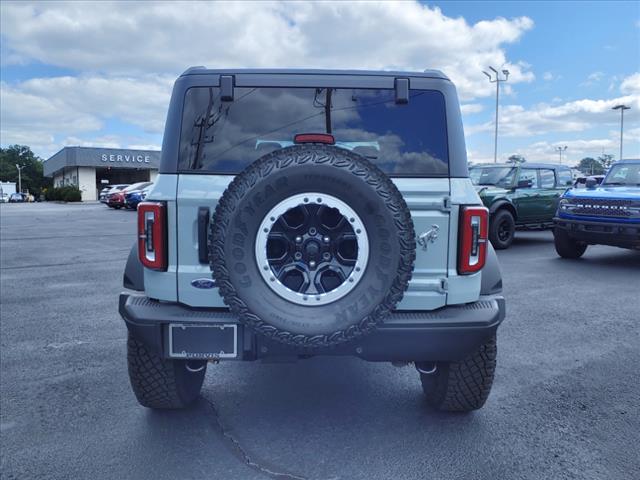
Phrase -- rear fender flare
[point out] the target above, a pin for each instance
(506, 204)
(491, 282)
(133, 277)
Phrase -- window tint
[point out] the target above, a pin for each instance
(547, 178)
(564, 177)
(225, 137)
(529, 174)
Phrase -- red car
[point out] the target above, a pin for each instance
(116, 198)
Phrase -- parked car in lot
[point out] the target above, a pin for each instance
(519, 196)
(116, 199)
(4, 198)
(294, 237)
(134, 197)
(104, 193)
(608, 214)
(17, 198)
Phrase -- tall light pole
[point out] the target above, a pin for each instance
(20, 177)
(495, 78)
(622, 108)
(560, 150)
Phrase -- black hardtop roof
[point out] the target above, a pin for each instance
(525, 165)
(199, 70)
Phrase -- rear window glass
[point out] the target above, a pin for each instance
(402, 139)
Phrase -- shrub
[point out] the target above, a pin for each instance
(69, 193)
(72, 194)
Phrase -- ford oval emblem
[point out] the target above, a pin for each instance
(203, 283)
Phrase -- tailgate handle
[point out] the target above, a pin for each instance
(203, 230)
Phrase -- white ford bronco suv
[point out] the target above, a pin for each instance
(312, 212)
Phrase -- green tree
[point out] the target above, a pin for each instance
(591, 166)
(33, 178)
(516, 159)
(606, 160)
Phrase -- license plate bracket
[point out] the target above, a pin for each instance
(211, 341)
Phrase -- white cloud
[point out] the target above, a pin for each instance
(544, 118)
(39, 112)
(107, 141)
(548, 76)
(593, 79)
(127, 54)
(470, 108)
(132, 38)
(631, 84)
(545, 151)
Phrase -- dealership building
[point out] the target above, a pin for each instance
(92, 169)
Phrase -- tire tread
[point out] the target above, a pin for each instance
(465, 385)
(297, 155)
(153, 379)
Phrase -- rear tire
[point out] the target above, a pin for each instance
(461, 386)
(159, 383)
(566, 246)
(502, 227)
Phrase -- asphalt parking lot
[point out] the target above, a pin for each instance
(564, 404)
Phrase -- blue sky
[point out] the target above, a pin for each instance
(100, 74)
(571, 41)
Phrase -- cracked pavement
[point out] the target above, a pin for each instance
(564, 404)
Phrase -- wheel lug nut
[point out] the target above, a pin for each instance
(298, 239)
(326, 239)
(297, 256)
(312, 263)
(326, 255)
(312, 231)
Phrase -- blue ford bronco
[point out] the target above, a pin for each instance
(312, 212)
(608, 214)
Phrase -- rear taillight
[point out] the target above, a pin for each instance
(152, 235)
(472, 246)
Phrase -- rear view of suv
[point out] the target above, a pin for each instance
(300, 213)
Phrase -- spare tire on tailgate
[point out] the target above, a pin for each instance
(312, 245)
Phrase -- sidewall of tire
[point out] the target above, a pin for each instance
(389, 264)
(496, 219)
(566, 246)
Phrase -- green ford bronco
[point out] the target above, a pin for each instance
(519, 196)
(300, 213)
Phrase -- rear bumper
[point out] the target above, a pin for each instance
(446, 334)
(625, 235)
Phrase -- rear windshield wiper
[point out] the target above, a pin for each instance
(202, 124)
